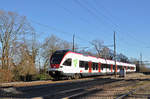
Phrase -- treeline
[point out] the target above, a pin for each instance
(23, 58)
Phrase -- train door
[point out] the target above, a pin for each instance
(116, 68)
(99, 67)
(107, 68)
(90, 66)
(67, 64)
(111, 68)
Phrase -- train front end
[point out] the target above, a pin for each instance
(55, 69)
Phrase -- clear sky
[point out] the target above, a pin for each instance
(90, 19)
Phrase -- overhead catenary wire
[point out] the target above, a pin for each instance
(58, 30)
(94, 9)
(117, 24)
(81, 18)
(95, 14)
(117, 28)
(87, 9)
(50, 27)
(72, 14)
(91, 12)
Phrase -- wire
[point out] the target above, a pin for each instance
(94, 13)
(87, 9)
(49, 27)
(99, 13)
(70, 13)
(90, 12)
(58, 30)
(117, 25)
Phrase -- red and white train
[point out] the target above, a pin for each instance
(64, 63)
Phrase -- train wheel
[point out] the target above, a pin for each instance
(69, 78)
(77, 76)
(56, 78)
(80, 75)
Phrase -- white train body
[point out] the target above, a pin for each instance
(68, 63)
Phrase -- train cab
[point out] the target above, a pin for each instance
(60, 64)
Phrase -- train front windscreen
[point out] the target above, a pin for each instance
(57, 56)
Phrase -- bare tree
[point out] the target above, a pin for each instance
(27, 62)
(24, 63)
(11, 25)
(122, 58)
(13, 31)
(50, 45)
(65, 45)
(105, 52)
(98, 45)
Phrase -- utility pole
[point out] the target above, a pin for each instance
(140, 60)
(73, 43)
(115, 54)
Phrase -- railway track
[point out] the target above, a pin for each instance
(59, 89)
(76, 92)
(34, 83)
(104, 90)
(115, 90)
(118, 90)
(98, 87)
(142, 92)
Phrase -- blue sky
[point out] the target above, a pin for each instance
(90, 19)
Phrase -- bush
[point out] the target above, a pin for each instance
(43, 77)
(8, 76)
(5, 75)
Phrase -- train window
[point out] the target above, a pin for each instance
(115, 67)
(57, 57)
(132, 68)
(119, 67)
(81, 64)
(103, 66)
(86, 65)
(95, 66)
(128, 67)
(68, 62)
(108, 66)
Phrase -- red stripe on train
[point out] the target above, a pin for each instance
(99, 67)
(111, 68)
(90, 66)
